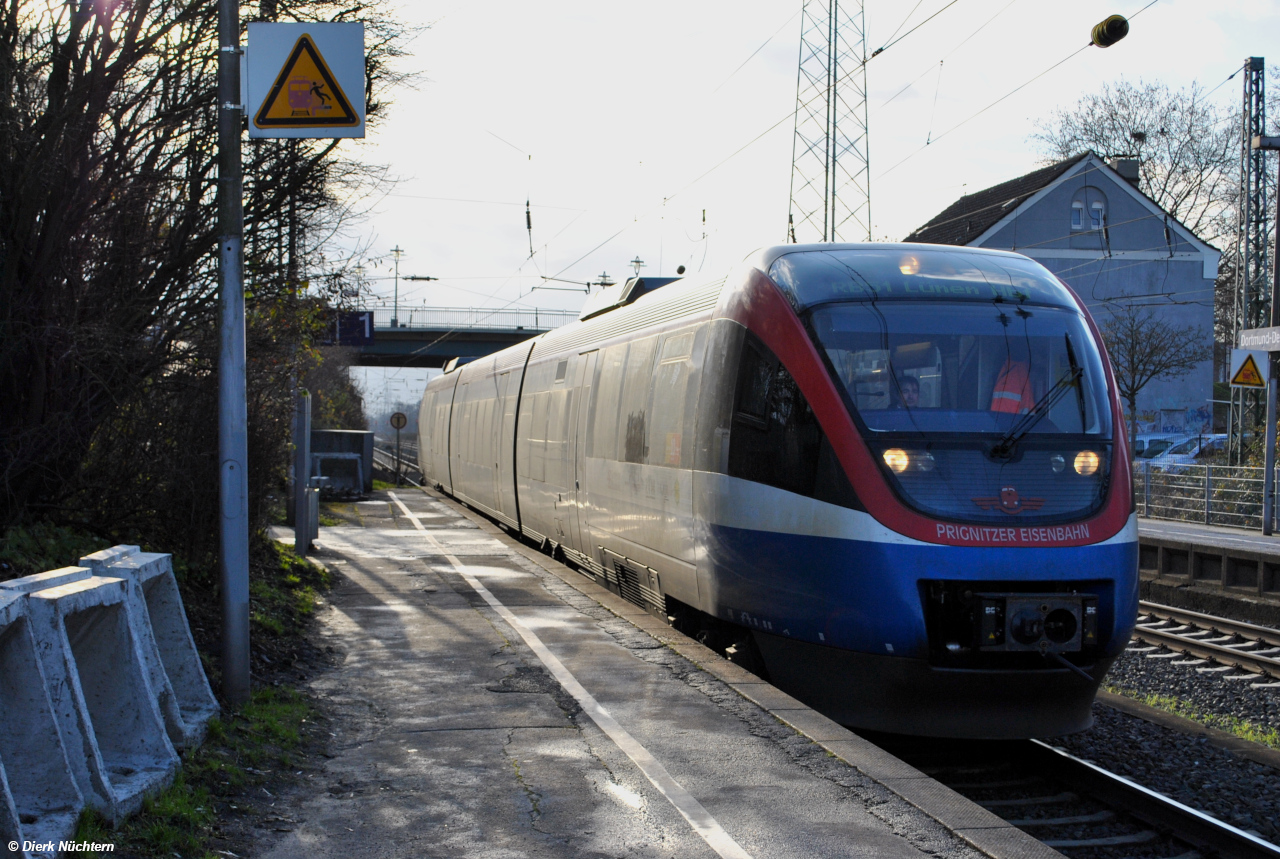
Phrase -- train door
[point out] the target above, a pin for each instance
(584, 379)
(504, 418)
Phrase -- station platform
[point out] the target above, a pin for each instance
(494, 703)
(1209, 535)
(1209, 568)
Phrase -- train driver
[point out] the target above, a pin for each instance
(908, 392)
(1012, 394)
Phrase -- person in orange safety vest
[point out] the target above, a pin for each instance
(1012, 393)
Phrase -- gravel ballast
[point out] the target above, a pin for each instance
(1241, 792)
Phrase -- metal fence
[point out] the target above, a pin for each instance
(472, 317)
(1206, 494)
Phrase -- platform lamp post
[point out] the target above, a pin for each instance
(233, 447)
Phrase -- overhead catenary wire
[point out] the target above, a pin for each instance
(756, 51)
(1016, 89)
(974, 116)
(904, 21)
(963, 42)
(878, 51)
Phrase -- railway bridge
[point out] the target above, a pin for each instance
(432, 336)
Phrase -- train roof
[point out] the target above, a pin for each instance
(764, 258)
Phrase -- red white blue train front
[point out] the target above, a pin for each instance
(900, 468)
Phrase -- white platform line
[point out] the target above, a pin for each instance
(692, 811)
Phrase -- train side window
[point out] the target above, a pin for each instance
(671, 445)
(606, 392)
(524, 440)
(776, 438)
(635, 401)
(755, 373)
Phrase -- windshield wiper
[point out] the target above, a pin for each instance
(1005, 446)
(1077, 371)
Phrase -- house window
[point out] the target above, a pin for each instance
(1088, 209)
(1095, 216)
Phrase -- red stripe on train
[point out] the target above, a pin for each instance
(760, 306)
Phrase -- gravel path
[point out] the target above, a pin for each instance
(1241, 792)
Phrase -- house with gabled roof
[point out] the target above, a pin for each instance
(1087, 220)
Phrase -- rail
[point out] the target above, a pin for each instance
(387, 459)
(1207, 494)
(470, 318)
(1202, 831)
(1250, 648)
(1072, 805)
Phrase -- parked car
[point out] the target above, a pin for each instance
(1193, 451)
(1150, 445)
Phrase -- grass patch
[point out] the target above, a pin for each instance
(335, 513)
(1241, 728)
(382, 484)
(283, 590)
(240, 752)
(42, 546)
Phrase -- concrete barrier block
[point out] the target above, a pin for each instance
(88, 647)
(40, 581)
(39, 799)
(169, 653)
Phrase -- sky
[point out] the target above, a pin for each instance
(625, 126)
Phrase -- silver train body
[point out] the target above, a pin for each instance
(735, 447)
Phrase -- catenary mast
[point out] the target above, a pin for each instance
(830, 170)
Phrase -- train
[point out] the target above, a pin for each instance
(891, 478)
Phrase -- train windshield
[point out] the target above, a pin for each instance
(974, 377)
(942, 367)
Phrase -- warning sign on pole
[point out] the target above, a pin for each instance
(1249, 369)
(305, 80)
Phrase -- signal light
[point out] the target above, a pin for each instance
(1110, 31)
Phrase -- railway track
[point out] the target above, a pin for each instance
(387, 459)
(1074, 806)
(1205, 639)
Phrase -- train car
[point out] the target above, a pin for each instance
(894, 476)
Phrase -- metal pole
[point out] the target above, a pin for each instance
(1208, 492)
(233, 446)
(1269, 457)
(1269, 472)
(397, 457)
(395, 301)
(302, 472)
(1146, 488)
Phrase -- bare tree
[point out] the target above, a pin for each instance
(108, 310)
(1188, 147)
(1143, 348)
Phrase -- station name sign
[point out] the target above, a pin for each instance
(1263, 339)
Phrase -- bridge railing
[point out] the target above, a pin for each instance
(472, 317)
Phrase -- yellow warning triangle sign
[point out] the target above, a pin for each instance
(1248, 375)
(305, 94)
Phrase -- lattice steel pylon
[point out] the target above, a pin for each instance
(830, 168)
(1252, 305)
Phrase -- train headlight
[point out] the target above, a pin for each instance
(909, 265)
(1057, 462)
(925, 461)
(1087, 463)
(897, 460)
